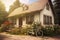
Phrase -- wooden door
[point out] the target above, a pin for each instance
(20, 22)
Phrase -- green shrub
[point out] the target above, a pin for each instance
(57, 29)
(15, 31)
(26, 30)
(48, 31)
(5, 28)
(0, 29)
(30, 31)
(36, 28)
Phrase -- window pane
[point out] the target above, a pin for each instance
(47, 20)
(29, 19)
(44, 19)
(50, 20)
(47, 6)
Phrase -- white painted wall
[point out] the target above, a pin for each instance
(46, 12)
(38, 17)
(17, 22)
(24, 22)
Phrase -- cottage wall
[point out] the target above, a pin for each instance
(48, 13)
(24, 22)
(38, 17)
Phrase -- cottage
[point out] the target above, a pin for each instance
(40, 12)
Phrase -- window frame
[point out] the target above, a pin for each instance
(47, 6)
(29, 19)
(47, 20)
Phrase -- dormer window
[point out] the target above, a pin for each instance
(25, 7)
(47, 6)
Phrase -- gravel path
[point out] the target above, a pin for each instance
(4, 36)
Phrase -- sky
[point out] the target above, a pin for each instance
(10, 2)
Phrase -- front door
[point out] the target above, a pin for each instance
(20, 22)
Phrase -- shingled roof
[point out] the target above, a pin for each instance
(39, 5)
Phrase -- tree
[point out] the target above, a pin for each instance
(15, 5)
(57, 10)
(3, 13)
(2, 7)
(57, 6)
(25, 7)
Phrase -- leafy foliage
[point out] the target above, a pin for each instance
(5, 28)
(15, 5)
(3, 13)
(57, 10)
(57, 29)
(36, 28)
(57, 5)
(48, 31)
(15, 31)
(2, 6)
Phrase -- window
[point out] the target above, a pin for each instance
(47, 20)
(29, 19)
(13, 21)
(50, 20)
(47, 6)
